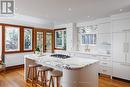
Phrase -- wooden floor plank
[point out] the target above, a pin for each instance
(14, 78)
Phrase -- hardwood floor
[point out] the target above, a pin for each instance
(14, 78)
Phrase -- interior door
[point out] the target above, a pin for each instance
(48, 42)
(118, 46)
(39, 40)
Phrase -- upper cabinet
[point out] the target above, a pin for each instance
(60, 39)
(121, 25)
(104, 28)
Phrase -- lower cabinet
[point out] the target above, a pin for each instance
(121, 70)
(105, 62)
(106, 70)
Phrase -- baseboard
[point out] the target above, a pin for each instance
(128, 81)
(15, 67)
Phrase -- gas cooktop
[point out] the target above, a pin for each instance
(62, 56)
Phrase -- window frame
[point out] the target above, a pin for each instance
(21, 41)
(7, 28)
(28, 50)
(56, 30)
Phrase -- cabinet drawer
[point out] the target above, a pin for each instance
(105, 70)
(104, 58)
(106, 63)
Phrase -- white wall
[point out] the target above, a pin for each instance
(15, 59)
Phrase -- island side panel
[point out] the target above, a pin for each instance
(27, 62)
(89, 76)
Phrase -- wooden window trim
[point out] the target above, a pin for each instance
(44, 37)
(3, 40)
(21, 39)
(54, 38)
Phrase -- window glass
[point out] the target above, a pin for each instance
(59, 39)
(88, 38)
(12, 39)
(48, 42)
(27, 39)
(40, 40)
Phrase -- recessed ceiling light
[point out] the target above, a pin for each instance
(121, 9)
(69, 9)
(88, 16)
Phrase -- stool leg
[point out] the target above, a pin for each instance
(28, 75)
(45, 82)
(38, 74)
(32, 76)
(52, 82)
(57, 81)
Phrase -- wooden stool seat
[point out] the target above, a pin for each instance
(44, 68)
(55, 74)
(32, 72)
(32, 66)
(42, 73)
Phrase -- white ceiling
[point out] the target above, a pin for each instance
(57, 10)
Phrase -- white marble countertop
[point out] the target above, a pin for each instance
(69, 63)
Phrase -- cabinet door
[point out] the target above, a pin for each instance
(121, 70)
(118, 47)
(120, 25)
(128, 48)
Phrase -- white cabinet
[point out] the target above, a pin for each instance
(118, 47)
(121, 55)
(120, 25)
(105, 61)
(128, 48)
(104, 28)
(121, 70)
(105, 70)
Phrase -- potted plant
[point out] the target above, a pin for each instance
(37, 50)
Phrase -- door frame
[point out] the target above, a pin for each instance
(44, 31)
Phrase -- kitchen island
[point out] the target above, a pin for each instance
(77, 72)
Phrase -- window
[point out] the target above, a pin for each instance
(48, 42)
(28, 39)
(60, 39)
(88, 38)
(12, 38)
(40, 40)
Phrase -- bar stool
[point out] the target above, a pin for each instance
(42, 74)
(55, 74)
(32, 73)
